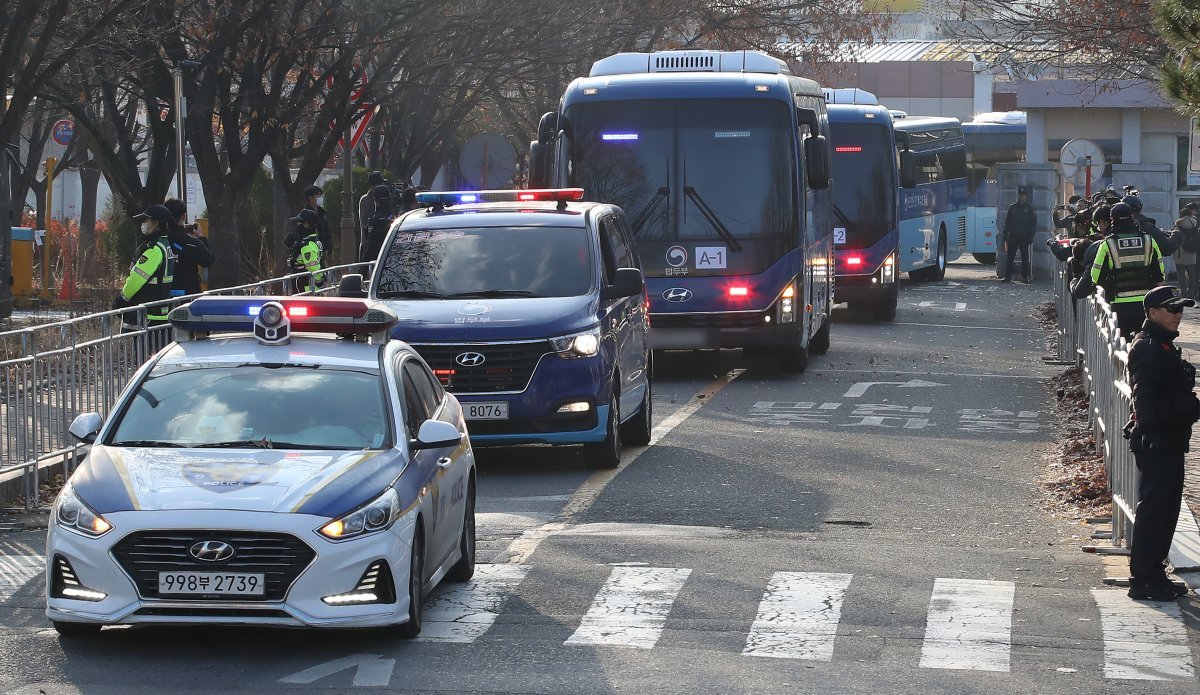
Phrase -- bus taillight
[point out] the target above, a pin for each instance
(739, 291)
(854, 260)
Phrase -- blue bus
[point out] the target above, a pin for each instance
(721, 162)
(866, 198)
(933, 213)
(989, 143)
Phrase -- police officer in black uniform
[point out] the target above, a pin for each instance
(1164, 410)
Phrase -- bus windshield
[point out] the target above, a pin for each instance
(864, 182)
(695, 170)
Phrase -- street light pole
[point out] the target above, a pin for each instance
(349, 252)
(180, 158)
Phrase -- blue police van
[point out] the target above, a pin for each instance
(530, 307)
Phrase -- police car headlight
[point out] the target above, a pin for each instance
(71, 513)
(585, 344)
(377, 515)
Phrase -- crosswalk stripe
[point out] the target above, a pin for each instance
(969, 625)
(798, 616)
(16, 571)
(1143, 640)
(631, 609)
(463, 612)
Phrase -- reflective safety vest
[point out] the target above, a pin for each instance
(308, 258)
(150, 277)
(1128, 265)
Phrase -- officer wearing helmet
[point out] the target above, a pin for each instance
(305, 250)
(153, 269)
(378, 225)
(1126, 264)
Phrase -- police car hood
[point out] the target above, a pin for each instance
(518, 318)
(326, 483)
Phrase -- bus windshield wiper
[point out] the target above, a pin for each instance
(411, 294)
(493, 294)
(651, 205)
(717, 224)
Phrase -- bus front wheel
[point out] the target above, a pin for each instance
(938, 271)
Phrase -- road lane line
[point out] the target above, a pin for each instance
(973, 328)
(18, 570)
(523, 547)
(969, 625)
(631, 609)
(885, 372)
(1143, 640)
(798, 616)
(463, 613)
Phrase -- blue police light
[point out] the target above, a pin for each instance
(445, 198)
(338, 315)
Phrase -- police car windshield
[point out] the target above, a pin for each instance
(256, 406)
(486, 262)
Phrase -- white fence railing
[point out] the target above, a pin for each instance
(52, 372)
(1088, 337)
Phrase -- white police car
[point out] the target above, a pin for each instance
(271, 478)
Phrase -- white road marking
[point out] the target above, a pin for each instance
(369, 670)
(463, 613)
(18, 570)
(522, 548)
(969, 625)
(631, 609)
(1143, 640)
(798, 617)
(860, 389)
(971, 328)
(926, 373)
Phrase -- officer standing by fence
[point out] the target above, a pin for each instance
(1127, 264)
(1164, 410)
(153, 270)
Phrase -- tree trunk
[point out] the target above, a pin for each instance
(223, 235)
(281, 176)
(89, 178)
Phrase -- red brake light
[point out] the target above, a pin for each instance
(551, 194)
(739, 291)
(294, 311)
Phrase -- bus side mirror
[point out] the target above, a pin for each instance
(908, 169)
(541, 158)
(816, 157)
(548, 127)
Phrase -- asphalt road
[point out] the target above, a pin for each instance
(873, 525)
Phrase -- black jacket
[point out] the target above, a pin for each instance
(324, 232)
(1020, 224)
(193, 253)
(1164, 405)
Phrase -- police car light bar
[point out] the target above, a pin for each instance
(442, 199)
(337, 315)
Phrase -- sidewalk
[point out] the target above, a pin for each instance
(1185, 538)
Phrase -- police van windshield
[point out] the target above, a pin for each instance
(864, 174)
(256, 406)
(492, 262)
(700, 169)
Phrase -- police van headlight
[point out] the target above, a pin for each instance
(72, 513)
(585, 344)
(376, 515)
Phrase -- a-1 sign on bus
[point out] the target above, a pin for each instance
(721, 162)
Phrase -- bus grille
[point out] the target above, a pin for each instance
(506, 367)
(280, 557)
(962, 232)
(685, 62)
(739, 320)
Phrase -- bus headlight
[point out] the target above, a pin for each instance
(887, 273)
(585, 344)
(787, 304)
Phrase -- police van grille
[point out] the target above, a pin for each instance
(684, 62)
(506, 367)
(279, 557)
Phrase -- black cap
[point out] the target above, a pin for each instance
(1122, 211)
(1167, 296)
(308, 215)
(375, 178)
(381, 193)
(155, 212)
(313, 190)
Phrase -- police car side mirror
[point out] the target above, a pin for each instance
(627, 283)
(908, 169)
(435, 434)
(351, 286)
(86, 426)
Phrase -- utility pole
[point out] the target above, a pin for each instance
(180, 159)
(51, 165)
(349, 252)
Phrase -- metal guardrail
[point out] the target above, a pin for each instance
(52, 372)
(1088, 336)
